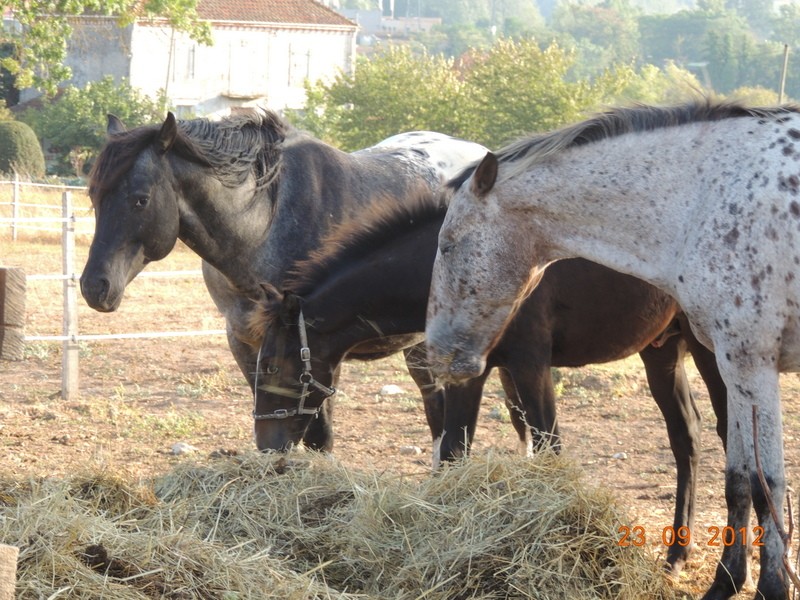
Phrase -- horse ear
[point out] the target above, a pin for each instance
(168, 133)
(270, 293)
(292, 303)
(114, 126)
(485, 175)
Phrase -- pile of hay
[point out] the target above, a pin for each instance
(302, 526)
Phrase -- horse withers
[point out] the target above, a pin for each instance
(251, 195)
(702, 200)
(366, 288)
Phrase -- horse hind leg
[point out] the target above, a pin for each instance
(670, 389)
(706, 363)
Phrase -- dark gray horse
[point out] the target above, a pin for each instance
(249, 194)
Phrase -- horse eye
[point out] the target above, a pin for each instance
(446, 247)
(141, 201)
(272, 370)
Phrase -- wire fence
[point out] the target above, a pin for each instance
(40, 217)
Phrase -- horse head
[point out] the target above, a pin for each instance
(290, 384)
(136, 210)
(478, 280)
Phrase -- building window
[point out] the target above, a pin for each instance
(299, 65)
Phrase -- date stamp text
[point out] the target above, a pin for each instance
(682, 536)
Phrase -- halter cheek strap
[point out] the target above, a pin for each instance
(305, 379)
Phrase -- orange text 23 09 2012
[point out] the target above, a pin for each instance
(637, 535)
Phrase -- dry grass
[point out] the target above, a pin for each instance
(303, 526)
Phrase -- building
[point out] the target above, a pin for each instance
(263, 52)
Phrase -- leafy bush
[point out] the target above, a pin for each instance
(20, 150)
(74, 124)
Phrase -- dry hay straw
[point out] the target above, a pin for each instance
(305, 526)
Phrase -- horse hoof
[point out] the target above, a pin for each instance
(673, 569)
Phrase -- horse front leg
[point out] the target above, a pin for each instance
(536, 401)
(516, 412)
(451, 411)
(670, 389)
(749, 386)
(432, 395)
(462, 405)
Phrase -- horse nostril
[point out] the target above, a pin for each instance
(466, 367)
(100, 288)
(95, 291)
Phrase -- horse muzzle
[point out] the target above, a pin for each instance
(456, 366)
(280, 435)
(98, 294)
(464, 367)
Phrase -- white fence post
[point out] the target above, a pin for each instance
(69, 359)
(14, 207)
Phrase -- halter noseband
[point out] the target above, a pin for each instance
(305, 378)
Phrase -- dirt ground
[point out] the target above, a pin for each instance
(138, 398)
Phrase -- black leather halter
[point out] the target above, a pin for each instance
(305, 379)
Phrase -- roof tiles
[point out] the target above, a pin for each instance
(305, 12)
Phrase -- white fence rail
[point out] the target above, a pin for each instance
(70, 336)
(17, 204)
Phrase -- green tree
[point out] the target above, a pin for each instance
(393, 92)
(40, 45)
(490, 96)
(74, 124)
(454, 12)
(755, 95)
(9, 94)
(652, 85)
(758, 13)
(455, 40)
(607, 33)
(518, 88)
(786, 27)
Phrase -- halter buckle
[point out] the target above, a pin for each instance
(280, 413)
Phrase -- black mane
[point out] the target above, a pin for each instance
(621, 120)
(235, 147)
(372, 230)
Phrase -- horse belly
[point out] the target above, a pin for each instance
(601, 316)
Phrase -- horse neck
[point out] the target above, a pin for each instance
(382, 294)
(632, 219)
(225, 226)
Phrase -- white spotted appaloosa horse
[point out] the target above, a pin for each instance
(701, 200)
